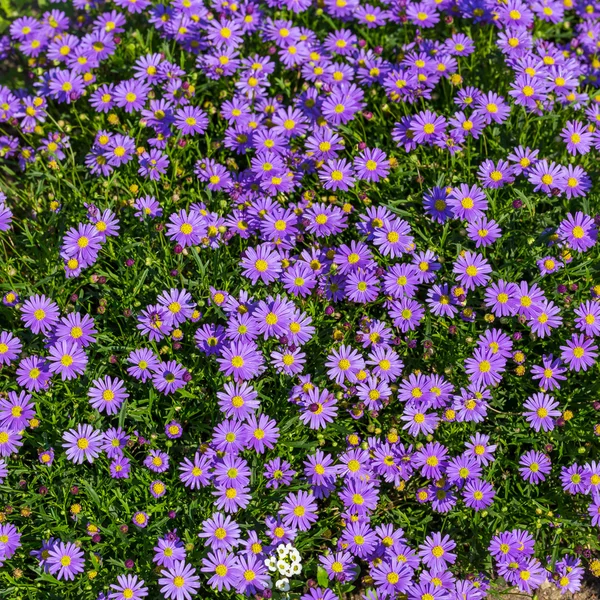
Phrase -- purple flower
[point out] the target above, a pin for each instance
(436, 551)
(140, 519)
(541, 411)
(129, 587)
(168, 377)
(16, 410)
(579, 353)
(534, 466)
(186, 228)
(223, 568)
(39, 313)
(573, 480)
(179, 582)
(10, 347)
(299, 510)
(579, 231)
(67, 359)
(82, 443)
(472, 270)
(65, 560)
(221, 532)
(107, 394)
(261, 263)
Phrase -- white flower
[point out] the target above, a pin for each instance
(282, 565)
(296, 568)
(283, 584)
(282, 551)
(271, 564)
(295, 555)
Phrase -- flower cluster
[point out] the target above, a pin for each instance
(285, 563)
(299, 276)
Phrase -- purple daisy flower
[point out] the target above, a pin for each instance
(534, 466)
(541, 411)
(170, 376)
(579, 231)
(221, 532)
(107, 394)
(299, 510)
(10, 347)
(179, 582)
(39, 313)
(436, 551)
(128, 587)
(472, 270)
(83, 443)
(579, 353)
(468, 203)
(144, 362)
(33, 373)
(16, 410)
(65, 560)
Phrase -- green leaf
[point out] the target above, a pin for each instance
(322, 577)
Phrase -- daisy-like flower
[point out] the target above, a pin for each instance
(485, 367)
(436, 551)
(67, 359)
(168, 550)
(131, 94)
(467, 203)
(107, 394)
(480, 449)
(77, 328)
(426, 127)
(33, 373)
(221, 532)
(253, 575)
(65, 561)
(10, 347)
(186, 228)
(588, 317)
(337, 174)
(371, 165)
(128, 587)
(299, 510)
(579, 353)
(191, 120)
(573, 480)
(478, 494)
(83, 443)
(546, 177)
(432, 460)
(541, 411)
(534, 466)
(170, 376)
(550, 373)
(195, 474)
(242, 360)
(472, 270)
(16, 410)
(319, 408)
(344, 363)
(261, 263)
(223, 569)
(178, 303)
(140, 519)
(577, 137)
(179, 582)
(579, 231)
(39, 313)
(10, 440)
